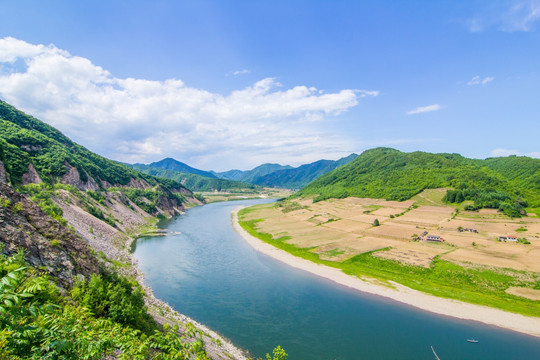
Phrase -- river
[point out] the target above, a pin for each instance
(208, 272)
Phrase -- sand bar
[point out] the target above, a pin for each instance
(403, 294)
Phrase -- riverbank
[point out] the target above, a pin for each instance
(442, 306)
(216, 346)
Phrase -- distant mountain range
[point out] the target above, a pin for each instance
(297, 178)
(270, 175)
(192, 180)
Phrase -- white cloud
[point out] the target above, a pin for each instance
(508, 16)
(241, 72)
(424, 109)
(503, 152)
(507, 152)
(477, 80)
(139, 120)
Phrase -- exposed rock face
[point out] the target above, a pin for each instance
(49, 245)
(3, 173)
(72, 177)
(31, 176)
(139, 184)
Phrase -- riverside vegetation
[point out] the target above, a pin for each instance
(439, 193)
(68, 285)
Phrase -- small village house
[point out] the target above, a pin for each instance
(434, 238)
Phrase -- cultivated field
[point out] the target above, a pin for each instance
(340, 229)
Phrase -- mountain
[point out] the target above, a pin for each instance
(509, 184)
(255, 174)
(251, 176)
(195, 182)
(230, 175)
(67, 280)
(175, 165)
(299, 177)
(284, 176)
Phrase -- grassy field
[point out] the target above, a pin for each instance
(468, 266)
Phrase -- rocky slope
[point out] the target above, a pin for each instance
(76, 214)
(49, 246)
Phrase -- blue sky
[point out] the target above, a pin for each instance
(233, 84)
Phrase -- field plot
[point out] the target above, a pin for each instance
(338, 229)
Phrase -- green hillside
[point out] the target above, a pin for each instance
(234, 174)
(194, 182)
(255, 174)
(27, 142)
(175, 165)
(299, 177)
(508, 184)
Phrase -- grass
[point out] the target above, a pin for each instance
(430, 197)
(332, 253)
(474, 284)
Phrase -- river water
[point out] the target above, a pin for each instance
(208, 272)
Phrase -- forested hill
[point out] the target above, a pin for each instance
(35, 152)
(195, 182)
(285, 176)
(299, 177)
(252, 176)
(509, 184)
(175, 165)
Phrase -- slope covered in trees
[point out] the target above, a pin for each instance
(175, 165)
(299, 177)
(287, 177)
(252, 176)
(508, 184)
(30, 147)
(194, 182)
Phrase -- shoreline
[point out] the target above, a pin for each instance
(214, 342)
(441, 306)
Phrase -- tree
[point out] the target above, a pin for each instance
(376, 222)
(277, 354)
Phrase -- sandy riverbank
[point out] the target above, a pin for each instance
(442, 306)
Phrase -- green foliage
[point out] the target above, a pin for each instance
(195, 182)
(512, 206)
(25, 140)
(17, 207)
(114, 297)
(41, 194)
(376, 222)
(5, 202)
(299, 177)
(507, 184)
(277, 354)
(37, 323)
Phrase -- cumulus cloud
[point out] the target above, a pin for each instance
(507, 152)
(424, 109)
(477, 80)
(508, 16)
(137, 120)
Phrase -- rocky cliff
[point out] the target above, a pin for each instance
(48, 245)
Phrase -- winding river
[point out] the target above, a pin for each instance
(205, 270)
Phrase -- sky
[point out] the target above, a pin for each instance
(225, 85)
